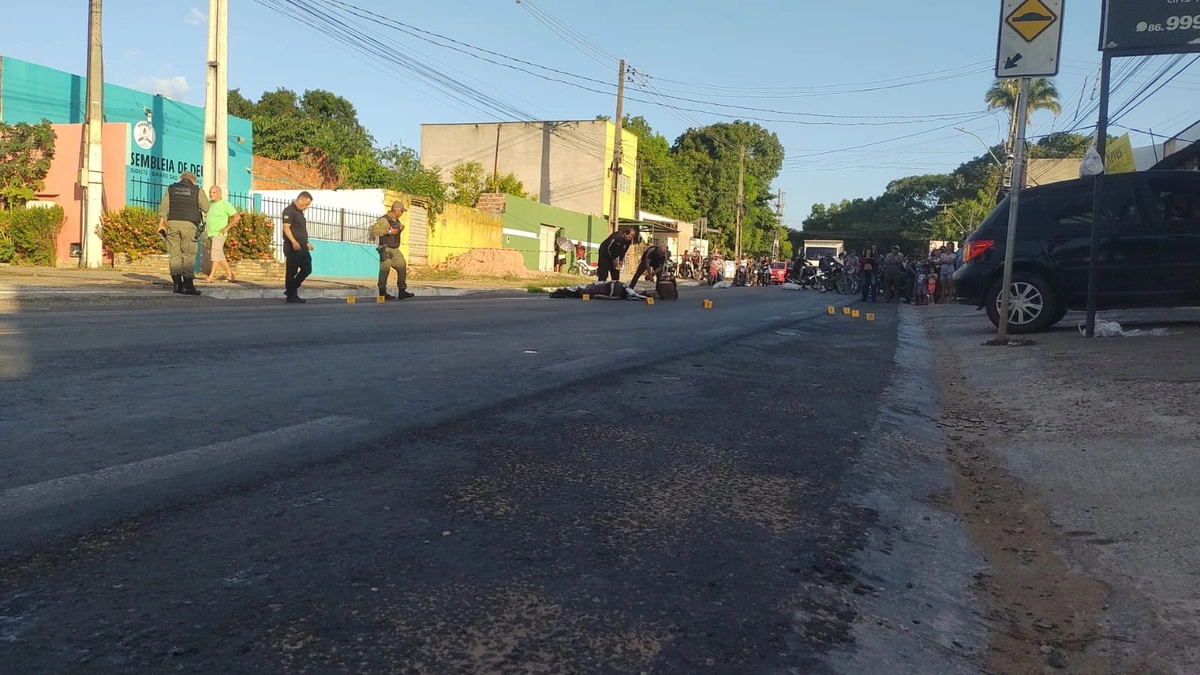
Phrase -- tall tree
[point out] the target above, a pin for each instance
(1043, 95)
(709, 156)
(664, 185)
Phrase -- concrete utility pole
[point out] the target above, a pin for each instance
(216, 99)
(92, 178)
(614, 211)
(741, 200)
(1014, 205)
(775, 248)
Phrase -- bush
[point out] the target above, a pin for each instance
(7, 248)
(251, 238)
(133, 231)
(30, 236)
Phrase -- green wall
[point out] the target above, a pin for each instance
(523, 220)
(31, 93)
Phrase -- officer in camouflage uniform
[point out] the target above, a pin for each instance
(178, 217)
(388, 229)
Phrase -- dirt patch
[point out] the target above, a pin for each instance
(486, 262)
(1042, 613)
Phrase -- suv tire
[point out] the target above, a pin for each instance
(1035, 304)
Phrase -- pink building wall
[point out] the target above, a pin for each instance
(62, 182)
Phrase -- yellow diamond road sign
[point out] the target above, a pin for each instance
(1031, 19)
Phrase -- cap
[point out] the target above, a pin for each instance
(188, 175)
(398, 206)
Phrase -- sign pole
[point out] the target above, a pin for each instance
(1014, 205)
(1098, 199)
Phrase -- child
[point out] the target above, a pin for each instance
(932, 282)
(921, 290)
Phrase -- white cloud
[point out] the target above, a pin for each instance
(197, 17)
(173, 87)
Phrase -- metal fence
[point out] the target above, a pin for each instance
(149, 194)
(330, 224)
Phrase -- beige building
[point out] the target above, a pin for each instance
(564, 164)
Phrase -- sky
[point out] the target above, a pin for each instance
(860, 93)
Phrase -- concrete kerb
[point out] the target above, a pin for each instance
(333, 293)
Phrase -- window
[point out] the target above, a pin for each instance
(1175, 199)
(623, 183)
(1074, 208)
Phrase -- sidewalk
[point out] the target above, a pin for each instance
(1076, 464)
(50, 282)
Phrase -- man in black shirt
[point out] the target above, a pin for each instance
(652, 264)
(612, 252)
(296, 247)
(178, 217)
(868, 265)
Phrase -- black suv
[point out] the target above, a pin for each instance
(1149, 249)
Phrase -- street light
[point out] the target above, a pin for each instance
(985, 145)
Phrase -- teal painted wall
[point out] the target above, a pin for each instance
(345, 260)
(31, 93)
(523, 216)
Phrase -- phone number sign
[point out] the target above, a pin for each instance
(1151, 26)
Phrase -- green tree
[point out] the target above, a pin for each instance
(26, 151)
(709, 158)
(318, 128)
(469, 180)
(1043, 95)
(665, 186)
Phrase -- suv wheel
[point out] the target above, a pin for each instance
(1034, 305)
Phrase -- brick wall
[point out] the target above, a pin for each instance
(492, 202)
(274, 174)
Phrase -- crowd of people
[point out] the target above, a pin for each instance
(918, 278)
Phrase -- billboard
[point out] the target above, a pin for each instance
(1150, 27)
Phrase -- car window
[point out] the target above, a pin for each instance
(1176, 200)
(1075, 207)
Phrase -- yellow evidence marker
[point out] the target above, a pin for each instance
(854, 314)
(380, 299)
(829, 310)
(708, 304)
(870, 316)
(846, 311)
(350, 299)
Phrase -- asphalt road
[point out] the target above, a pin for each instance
(474, 485)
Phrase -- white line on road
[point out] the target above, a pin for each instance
(59, 491)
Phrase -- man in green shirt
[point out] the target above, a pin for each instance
(221, 216)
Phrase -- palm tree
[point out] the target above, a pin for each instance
(1042, 96)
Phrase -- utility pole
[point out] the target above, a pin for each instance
(1014, 205)
(741, 201)
(775, 249)
(618, 153)
(92, 178)
(216, 101)
(496, 159)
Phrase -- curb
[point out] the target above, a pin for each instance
(331, 293)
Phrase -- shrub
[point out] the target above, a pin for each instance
(251, 238)
(7, 248)
(33, 233)
(133, 231)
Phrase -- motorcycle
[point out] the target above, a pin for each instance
(581, 267)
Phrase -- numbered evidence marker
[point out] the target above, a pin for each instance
(350, 300)
(380, 299)
(1030, 38)
(830, 310)
(846, 311)
(586, 296)
(649, 301)
(870, 316)
(854, 314)
(708, 304)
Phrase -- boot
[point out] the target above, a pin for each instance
(177, 280)
(386, 296)
(402, 294)
(188, 287)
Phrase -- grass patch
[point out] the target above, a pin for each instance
(429, 274)
(534, 288)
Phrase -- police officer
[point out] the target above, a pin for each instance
(652, 264)
(388, 229)
(179, 215)
(612, 253)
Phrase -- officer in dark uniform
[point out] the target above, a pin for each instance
(612, 253)
(388, 229)
(652, 264)
(179, 215)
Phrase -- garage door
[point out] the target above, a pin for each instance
(418, 235)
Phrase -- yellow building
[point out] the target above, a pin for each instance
(564, 164)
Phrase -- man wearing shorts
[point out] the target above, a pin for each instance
(221, 216)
